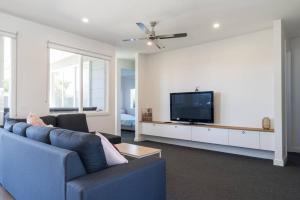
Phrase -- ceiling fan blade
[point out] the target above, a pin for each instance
(158, 45)
(143, 27)
(133, 39)
(177, 35)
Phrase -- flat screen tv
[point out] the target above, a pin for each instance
(193, 107)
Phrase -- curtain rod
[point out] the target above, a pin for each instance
(84, 50)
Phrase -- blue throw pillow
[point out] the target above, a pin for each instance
(20, 128)
(88, 147)
(39, 133)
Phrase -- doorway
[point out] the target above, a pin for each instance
(127, 99)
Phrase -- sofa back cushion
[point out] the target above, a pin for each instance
(88, 147)
(10, 122)
(20, 128)
(74, 122)
(39, 133)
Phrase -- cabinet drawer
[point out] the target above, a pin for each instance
(247, 139)
(267, 141)
(210, 135)
(168, 131)
(149, 129)
(177, 132)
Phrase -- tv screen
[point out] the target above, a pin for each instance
(192, 107)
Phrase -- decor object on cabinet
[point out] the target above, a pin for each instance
(147, 115)
(266, 123)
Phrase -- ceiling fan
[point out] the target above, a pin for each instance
(152, 37)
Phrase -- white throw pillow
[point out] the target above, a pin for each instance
(113, 157)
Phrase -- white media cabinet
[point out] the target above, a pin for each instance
(242, 138)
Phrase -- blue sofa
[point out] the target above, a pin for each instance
(33, 169)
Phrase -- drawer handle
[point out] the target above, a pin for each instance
(208, 129)
(243, 132)
(175, 126)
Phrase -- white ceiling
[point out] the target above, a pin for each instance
(114, 20)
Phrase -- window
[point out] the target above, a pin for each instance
(7, 53)
(94, 83)
(132, 98)
(77, 83)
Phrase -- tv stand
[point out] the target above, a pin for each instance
(240, 140)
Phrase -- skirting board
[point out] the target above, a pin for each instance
(280, 163)
(213, 147)
(294, 149)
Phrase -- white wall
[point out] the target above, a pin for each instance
(140, 92)
(280, 99)
(32, 70)
(239, 70)
(295, 90)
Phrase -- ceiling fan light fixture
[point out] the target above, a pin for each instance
(149, 43)
(152, 38)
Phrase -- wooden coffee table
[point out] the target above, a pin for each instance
(137, 151)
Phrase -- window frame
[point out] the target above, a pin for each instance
(82, 54)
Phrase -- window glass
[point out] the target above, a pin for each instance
(72, 77)
(94, 83)
(64, 80)
(6, 60)
(132, 98)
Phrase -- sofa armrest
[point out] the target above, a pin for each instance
(139, 179)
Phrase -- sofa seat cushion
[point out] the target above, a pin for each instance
(20, 128)
(88, 147)
(74, 122)
(39, 133)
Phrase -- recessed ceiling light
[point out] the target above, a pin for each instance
(149, 43)
(216, 25)
(85, 20)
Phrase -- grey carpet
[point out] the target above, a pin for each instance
(194, 174)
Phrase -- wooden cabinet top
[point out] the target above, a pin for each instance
(213, 126)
